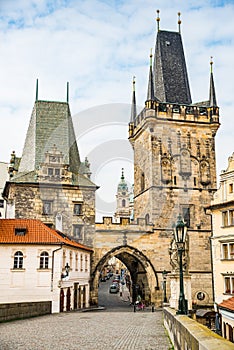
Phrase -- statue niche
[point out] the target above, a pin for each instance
(185, 163)
(205, 172)
(165, 170)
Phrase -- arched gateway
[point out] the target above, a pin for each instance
(144, 278)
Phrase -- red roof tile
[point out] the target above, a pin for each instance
(36, 233)
(228, 304)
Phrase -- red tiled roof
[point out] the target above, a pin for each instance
(228, 304)
(36, 233)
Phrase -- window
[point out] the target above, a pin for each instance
(227, 250)
(77, 210)
(229, 284)
(57, 172)
(142, 181)
(18, 260)
(86, 263)
(77, 231)
(71, 258)
(20, 231)
(186, 215)
(174, 180)
(47, 207)
(81, 262)
(123, 203)
(225, 218)
(231, 217)
(195, 181)
(1, 203)
(44, 260)
(76, 261)
(147, 219)
(230, 188)
(50, 171)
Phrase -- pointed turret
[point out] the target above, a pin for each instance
(133, 110)
(150, 92)
(212, 97)
(170, 73)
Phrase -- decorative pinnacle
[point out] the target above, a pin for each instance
(158, 19)
(211, 64)
(179, 21)
(37, 90)
(133, 83)
(151, 56)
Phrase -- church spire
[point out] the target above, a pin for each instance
(133, 110)
(150, 92)
(212, 97)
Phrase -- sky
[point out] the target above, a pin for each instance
(98, 46)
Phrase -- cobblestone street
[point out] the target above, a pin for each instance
(126, 330)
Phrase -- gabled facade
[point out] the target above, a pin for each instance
(39, 264)
(49, 182)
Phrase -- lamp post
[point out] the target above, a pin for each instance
(67, 269)
(180, 231)
(164, 273)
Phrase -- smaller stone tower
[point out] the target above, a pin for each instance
(123, 208)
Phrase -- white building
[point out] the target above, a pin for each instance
(222, 244)
(38, 263)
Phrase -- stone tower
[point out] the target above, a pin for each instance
(49, 182)
(174, 156)
(123, 208)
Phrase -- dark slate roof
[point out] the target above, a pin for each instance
(50, 125)
(170, 72)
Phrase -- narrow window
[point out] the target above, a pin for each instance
(225, 218)
(71, 258)
(186, 216)
(123, 203)
(20, 231)
(57, 172)
(175, 180)
(44, 260)
(18, 260)
(86, 263)
(47, 207)
(50, 171)
(227, 285)
(76, 261)
(77, 231)
(147, 219)
(225, 251)
(81, 262)
(230, 188)
(231, 250)
(195, 181)
(231, 217)
(142, 181)
(77, 209)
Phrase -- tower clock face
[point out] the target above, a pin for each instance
(123, 193)
(53, 159)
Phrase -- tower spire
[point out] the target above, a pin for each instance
(133, 110)
(150, 92)
(67, 92)
(212, 97)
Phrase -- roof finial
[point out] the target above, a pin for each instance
(37, 90)
(179, 21)
(158, 19)
(122, 176)
(211, 64)
(67, 92)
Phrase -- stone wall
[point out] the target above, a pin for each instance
(187, 334)
(13, 311)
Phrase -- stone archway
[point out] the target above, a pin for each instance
(142, 272)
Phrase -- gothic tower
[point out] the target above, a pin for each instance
(49, 182)
(174, 153)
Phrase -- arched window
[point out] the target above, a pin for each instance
(18, 260)
(123, 203)
(44, 260)
(147, 219)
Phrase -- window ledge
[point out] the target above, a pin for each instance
(44, 269)
(18, 269)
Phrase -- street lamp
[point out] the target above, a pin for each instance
(67, 269)
(180, 231)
